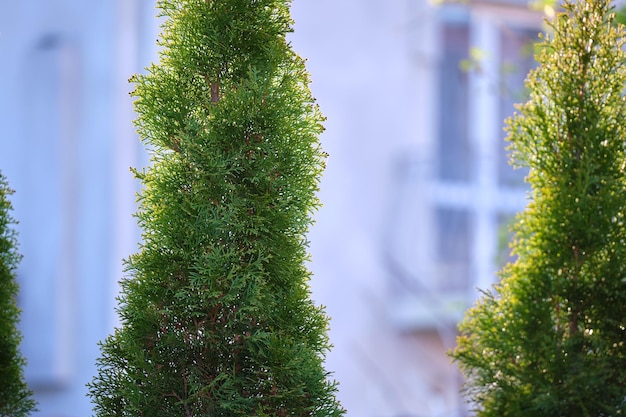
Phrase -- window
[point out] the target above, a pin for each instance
(499, 49)
(483, 54)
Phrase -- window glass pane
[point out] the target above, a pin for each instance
(453, 249)
(517, 60)
(453, 152)
(505, 237)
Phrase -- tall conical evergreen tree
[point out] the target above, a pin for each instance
(551, 341)
(216, 315)
(16, 400)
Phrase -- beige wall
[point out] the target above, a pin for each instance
(376, 74)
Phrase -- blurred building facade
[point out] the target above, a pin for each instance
(416, 192)
(418, 189)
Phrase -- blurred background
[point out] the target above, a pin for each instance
(417, 193)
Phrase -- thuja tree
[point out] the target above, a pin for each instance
(16, 399)
(550, 340)
(216, 313)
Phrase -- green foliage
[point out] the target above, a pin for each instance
(550, 341)
(15, 397)
(216, 315)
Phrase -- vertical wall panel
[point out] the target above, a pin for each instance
(46, 200)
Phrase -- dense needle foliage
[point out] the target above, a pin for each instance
(15, 397)
(551, 340)
(216, 315)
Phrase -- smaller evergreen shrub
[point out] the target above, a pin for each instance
(551, 341)
(15, 398)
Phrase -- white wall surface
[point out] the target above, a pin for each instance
(371, 64)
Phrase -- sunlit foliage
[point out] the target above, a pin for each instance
(550, 340)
